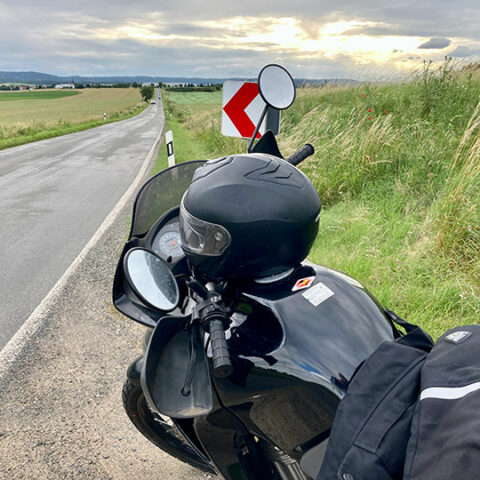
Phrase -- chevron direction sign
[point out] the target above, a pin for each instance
(242, 108)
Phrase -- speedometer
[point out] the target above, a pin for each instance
(167, 243)
(170, 244)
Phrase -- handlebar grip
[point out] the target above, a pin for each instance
(222, 366)
(301, 155)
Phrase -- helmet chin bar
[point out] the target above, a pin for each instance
(274, 278)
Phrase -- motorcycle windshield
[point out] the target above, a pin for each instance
(159, 194)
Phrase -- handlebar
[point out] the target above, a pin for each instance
(213, 316)
(222, 366)
(301, 155)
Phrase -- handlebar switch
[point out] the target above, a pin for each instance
(214, 319)
(212, 308)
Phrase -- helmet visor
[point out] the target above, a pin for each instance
(201, 237)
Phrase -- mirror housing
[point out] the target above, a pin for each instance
(277, 89)
(151, 279)
(276, 86)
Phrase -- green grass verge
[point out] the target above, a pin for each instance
(392, 254)
(186, 147)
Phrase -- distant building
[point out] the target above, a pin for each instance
(65, 85)
(176, 84)
(147, 84)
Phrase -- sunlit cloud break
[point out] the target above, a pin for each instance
(284, 35)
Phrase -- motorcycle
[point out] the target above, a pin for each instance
(240, 377)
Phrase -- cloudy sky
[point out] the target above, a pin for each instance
(317, 39)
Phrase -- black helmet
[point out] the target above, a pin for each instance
(248, 216)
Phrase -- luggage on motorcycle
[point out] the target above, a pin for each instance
(445, 434)
(372, 424)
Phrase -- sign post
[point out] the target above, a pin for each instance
(170, 154)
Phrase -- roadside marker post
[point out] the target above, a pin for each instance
(170, 154)
(104, 117)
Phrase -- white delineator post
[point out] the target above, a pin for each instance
(170, 154)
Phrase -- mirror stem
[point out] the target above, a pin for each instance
(257, 128)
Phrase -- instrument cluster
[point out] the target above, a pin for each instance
(167, 243)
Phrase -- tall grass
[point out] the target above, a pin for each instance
(458, 208)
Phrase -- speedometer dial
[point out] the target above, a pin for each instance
(167, 242)
(170, 244)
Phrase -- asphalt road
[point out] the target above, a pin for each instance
(61, 413)
(54, 194)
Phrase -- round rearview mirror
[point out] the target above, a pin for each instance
(276, 87)
(151, 279)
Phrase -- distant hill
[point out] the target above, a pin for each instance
(37, 78)
(28, 77)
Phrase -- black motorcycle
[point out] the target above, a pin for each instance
(249, 347)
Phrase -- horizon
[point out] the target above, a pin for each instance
(66, 76)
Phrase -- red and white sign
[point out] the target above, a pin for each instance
(242, 109)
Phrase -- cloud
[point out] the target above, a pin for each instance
(462, 51)
(218, 38)
(436, 42)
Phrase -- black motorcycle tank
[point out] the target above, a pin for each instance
(294, 353)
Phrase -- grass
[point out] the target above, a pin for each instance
(36, 95)
(190, 105)
(30, 116)
(195, 98)
(185, 147)
(398, 170)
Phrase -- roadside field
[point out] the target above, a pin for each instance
(52, 107)
(193, 102)
(35, 94)
(29, 116)
(195, 98)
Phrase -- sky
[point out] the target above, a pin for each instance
(359, 39)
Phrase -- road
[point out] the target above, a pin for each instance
(54, 194)
(61, 413)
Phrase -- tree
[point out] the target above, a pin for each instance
(147, 92)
